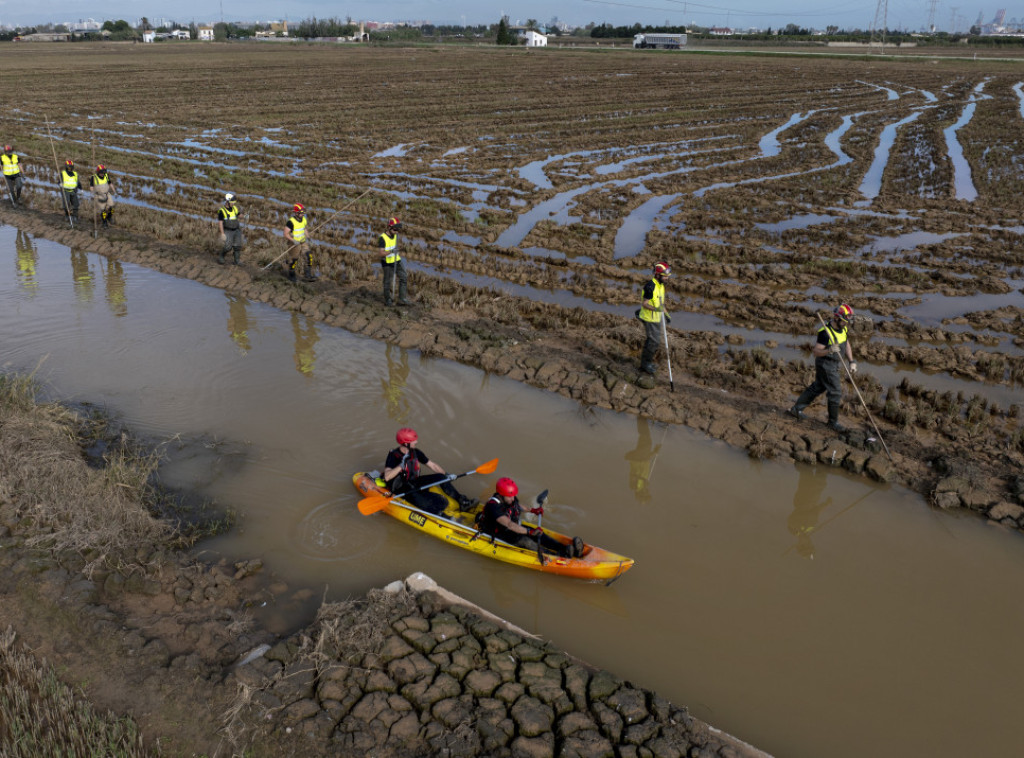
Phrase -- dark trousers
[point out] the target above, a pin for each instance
(827, 380)
(431, 502)
(71, 202)
(232, 241)
(14, 185)
(549, 544)
(652, 330)
(394, 271)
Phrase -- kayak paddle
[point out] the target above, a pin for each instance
(376, 502)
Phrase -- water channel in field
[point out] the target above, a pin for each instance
(806, 612)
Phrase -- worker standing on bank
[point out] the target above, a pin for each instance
(12, 174)
(295, 232)
(392, 264)
(104, 194)
(230, 229)
(652, 310)
(832, 341)
(70, 184)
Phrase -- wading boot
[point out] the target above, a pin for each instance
(796, 412)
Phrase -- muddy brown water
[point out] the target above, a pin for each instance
(805, 612)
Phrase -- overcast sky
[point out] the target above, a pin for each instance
(911, 15)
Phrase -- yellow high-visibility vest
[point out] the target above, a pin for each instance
(299, 229)
(657, 300)
(70, 180)
(10, 164)
(391, 248)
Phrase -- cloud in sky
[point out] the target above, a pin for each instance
(739, 14)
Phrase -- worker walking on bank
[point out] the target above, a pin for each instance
(230, 229)
(70, 184)
(12, 174)
(652, 310)
(392, 264)
(832, 341)
(295, 232)
(104, 194)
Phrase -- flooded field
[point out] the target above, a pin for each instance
(806, 611)
(533, 208)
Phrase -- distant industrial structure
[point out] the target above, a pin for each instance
(999, 26)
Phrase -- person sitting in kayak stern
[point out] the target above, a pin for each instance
(500, 518)
(402, 476)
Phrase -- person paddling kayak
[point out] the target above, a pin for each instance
(402, 476)
(500, 518)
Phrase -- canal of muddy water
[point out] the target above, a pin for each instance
(805, 612)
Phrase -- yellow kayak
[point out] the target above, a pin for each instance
(458, 528)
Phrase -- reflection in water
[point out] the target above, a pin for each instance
(641, 461)
(28, 257)
(238, 322)
(115, 283)
(394, 386)
(807, 507)
(82, 275)
(306, 337)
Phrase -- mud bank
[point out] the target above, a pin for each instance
(148, 633)
(957, 452)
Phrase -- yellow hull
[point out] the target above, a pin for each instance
(457, 528)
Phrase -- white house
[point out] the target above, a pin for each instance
(534, 39)
(148, 35)
(180, 34)
(206, 33)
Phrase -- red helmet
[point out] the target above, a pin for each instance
(69, 163)
(506, 487)
(101, 167)
(393, 222)
(299, 208)
(8, 148)
(661, 267)
(844, 313)
(406, 435)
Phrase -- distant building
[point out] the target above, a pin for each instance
(206, 33)
(720, 31)
(45, 37)
(533, 39)
(148, 35)
(180, 34)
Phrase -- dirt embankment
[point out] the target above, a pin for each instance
(170, 663)
(957, 452)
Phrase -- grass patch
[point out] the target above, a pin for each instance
(41, 716)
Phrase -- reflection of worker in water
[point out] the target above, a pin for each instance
(116, 299)
(305, 340)
(641, 462)
(807, 508)
(82, 276)
(394, 386)
(238, 323)
(27, 260)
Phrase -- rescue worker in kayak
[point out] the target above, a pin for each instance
(70, 185)
(832, 341)
(652, 310)
(402, 476)
(103, 194)
(295, 232)
(500, 518)
(12, 174)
